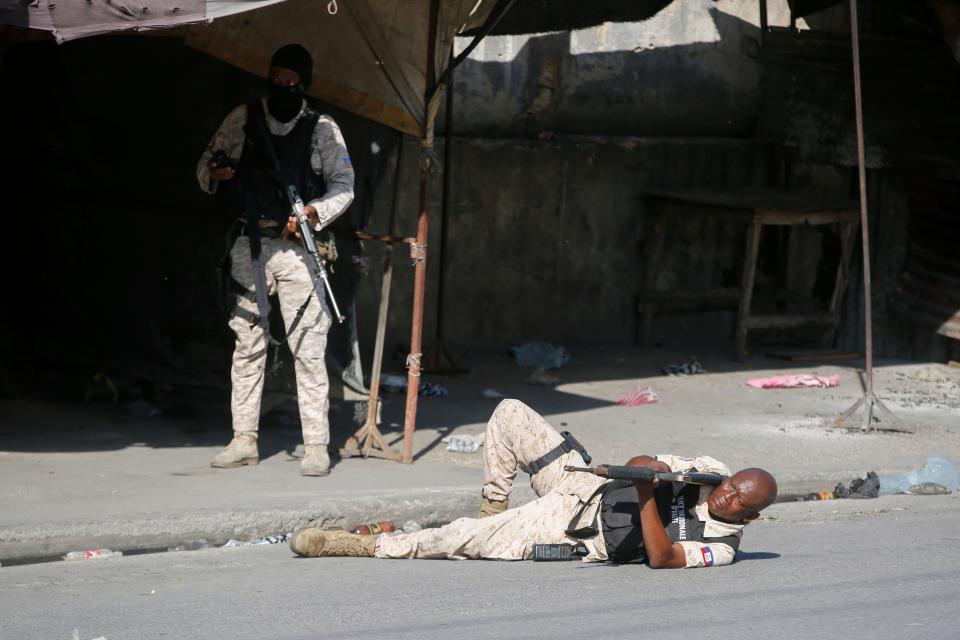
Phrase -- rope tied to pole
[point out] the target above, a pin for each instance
(418, 252)
(413, 364)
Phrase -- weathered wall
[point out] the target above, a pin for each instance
(545, 240)
(691, 70)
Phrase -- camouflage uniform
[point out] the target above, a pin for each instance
(516, 436)
(289, 275)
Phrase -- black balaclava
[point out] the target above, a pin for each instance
(284, 102)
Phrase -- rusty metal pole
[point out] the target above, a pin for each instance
(864, 228)
(418, 251)
(869, 400)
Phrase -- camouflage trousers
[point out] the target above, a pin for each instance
(516, 436)
(289, 276)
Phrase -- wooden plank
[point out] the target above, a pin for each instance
(813, 355)
(787, 321)
(783, 218)
(732, 293)
(746, 287)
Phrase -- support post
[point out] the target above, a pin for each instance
(368, 441)
(869, 400)
(418, 251)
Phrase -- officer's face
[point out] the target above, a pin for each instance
(736, 499)
(284, 77)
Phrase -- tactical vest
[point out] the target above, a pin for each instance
(262, 192)
(676, 505)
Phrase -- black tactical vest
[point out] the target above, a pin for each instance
(676, 504)
(262, 192)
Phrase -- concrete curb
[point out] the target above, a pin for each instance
(149, 533)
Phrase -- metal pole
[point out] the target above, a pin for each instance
(419, 251)
(869, 399)
(864, 228)
(764, 25)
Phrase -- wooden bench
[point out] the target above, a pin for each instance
(755, 209)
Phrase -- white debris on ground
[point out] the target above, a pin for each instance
(933, 388)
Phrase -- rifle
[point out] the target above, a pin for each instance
(644, 474)
(310, 244)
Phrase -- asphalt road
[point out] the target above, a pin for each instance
(875, 569)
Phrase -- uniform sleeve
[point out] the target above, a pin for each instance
(704, 464)
(331, 159)
(714, 554)
(229, 138)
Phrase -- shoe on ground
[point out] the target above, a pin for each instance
(241, 451)
(493, 507)
(319, 543)
(316, 460)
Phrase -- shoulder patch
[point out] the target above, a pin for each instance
(707, 556)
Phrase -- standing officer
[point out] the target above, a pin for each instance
(259, 149)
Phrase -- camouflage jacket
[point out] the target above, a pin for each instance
(329, 158)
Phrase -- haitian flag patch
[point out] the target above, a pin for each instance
(346, 163)
(707, 556)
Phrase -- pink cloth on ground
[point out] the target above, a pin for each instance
(639, 395)
(798, 381)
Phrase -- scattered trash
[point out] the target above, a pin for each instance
(868, 487)
(90, 554)
(434, 389)
(374, 528)
(540, 355)
(938, 470)
(411, 526)
(143, 409)
(637, 396)
(466, 443)
(798, 381)
(688, 368)
(76, 636)
(540, 376)
(817, 495)
(545, 136)
(191, 545)
(398, 384)
(393, 384)
(492, 394)
(277, 539)
(928, 489)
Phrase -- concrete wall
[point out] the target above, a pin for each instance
(691, 70)
(546, 240)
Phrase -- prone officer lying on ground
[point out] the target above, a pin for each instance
(665, 524)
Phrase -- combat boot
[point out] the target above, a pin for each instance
(317, 543)
(316, 460)
(241, 451)
(492, 507)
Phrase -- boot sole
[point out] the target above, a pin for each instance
(239, 463)
(315, 474)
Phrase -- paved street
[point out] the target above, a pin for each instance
(842, 569)
(78, 476)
